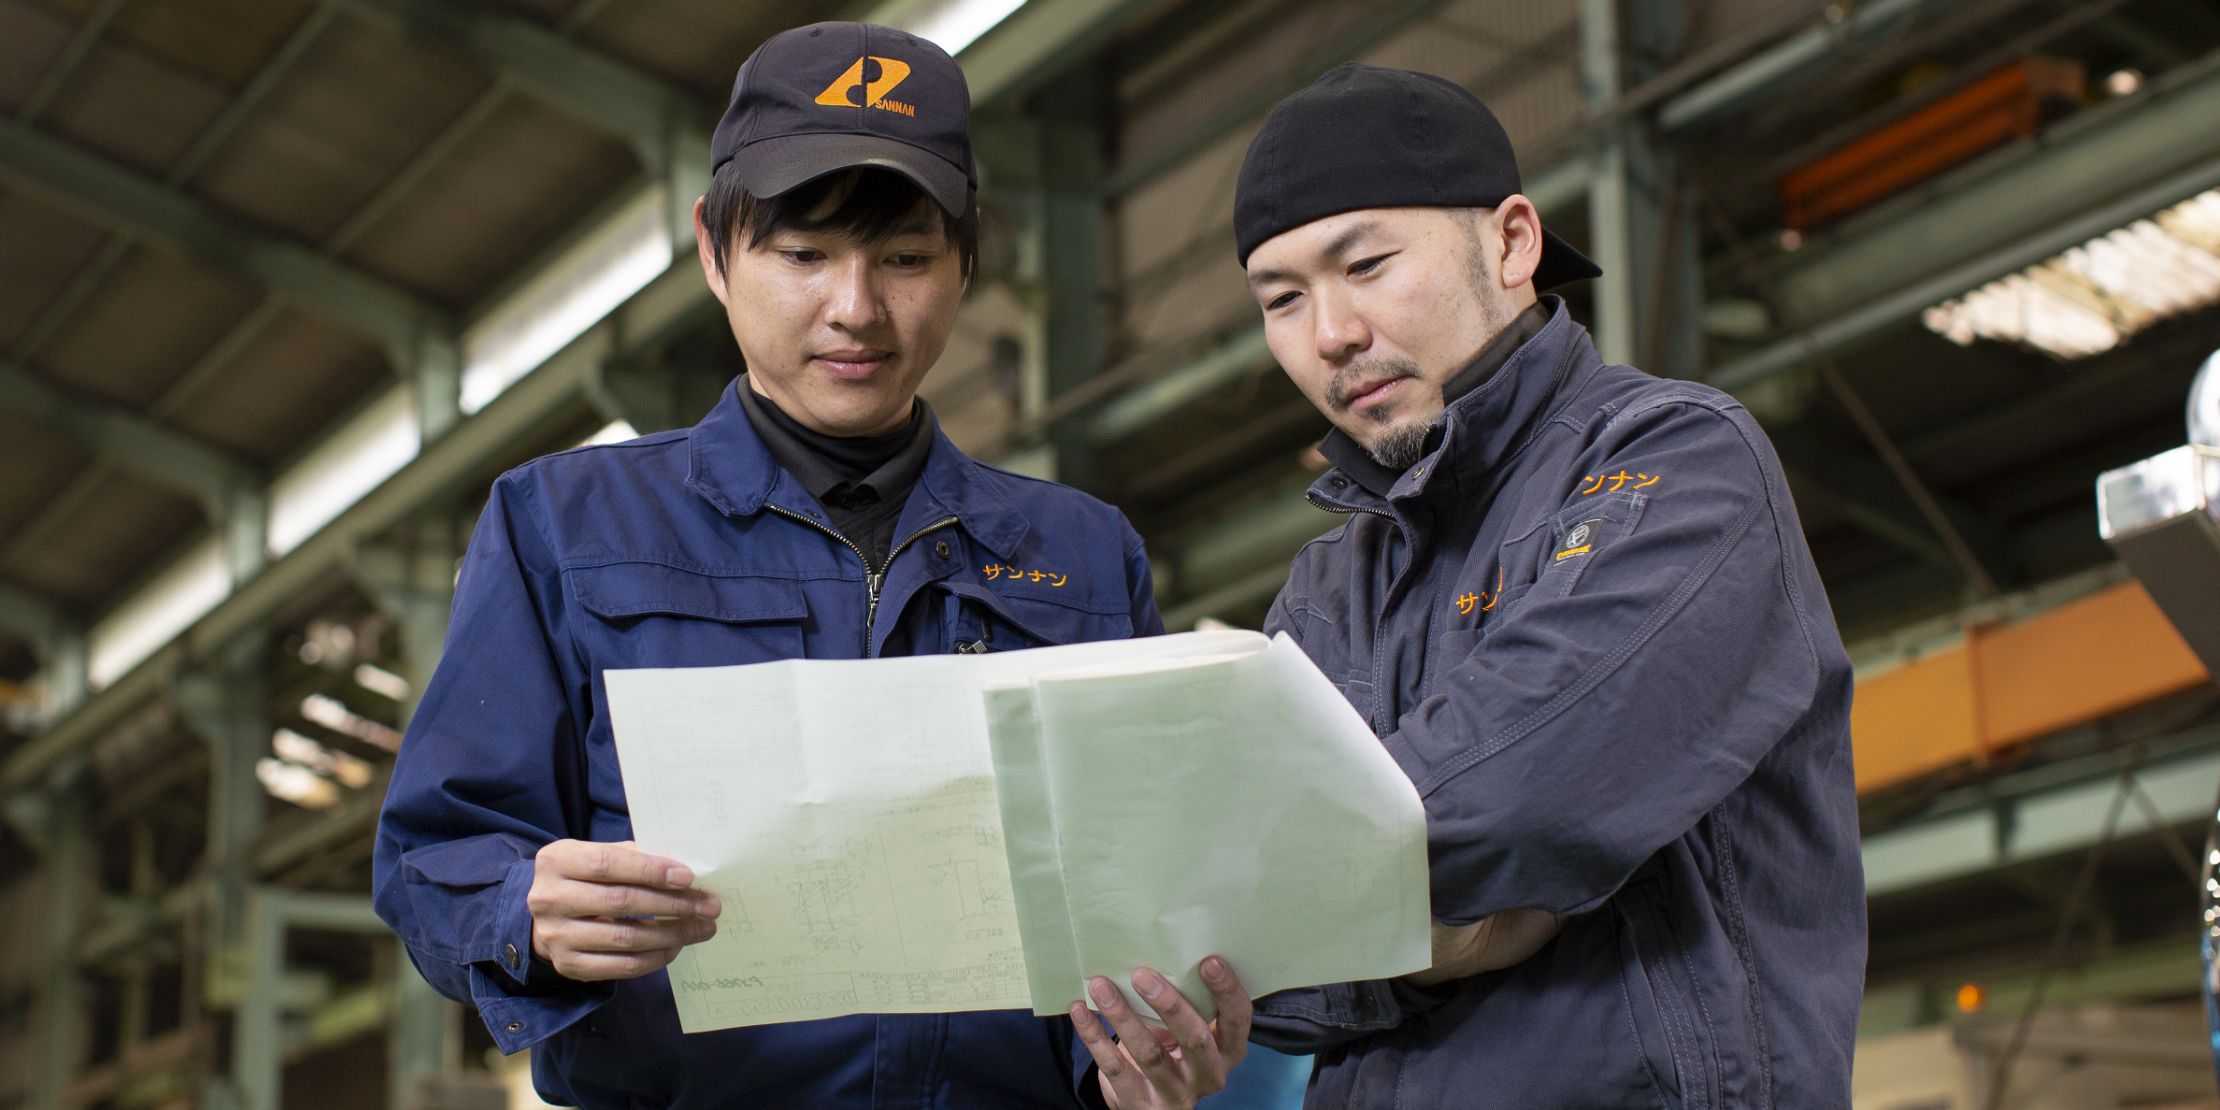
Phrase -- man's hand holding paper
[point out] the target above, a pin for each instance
(1048, 816)
(611, 911)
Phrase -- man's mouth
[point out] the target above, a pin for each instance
(853, 362)
(1366, 395)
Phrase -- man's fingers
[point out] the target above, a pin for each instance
(586, 967)
(1234, 1009)
(1134, 1034)
(612, 863)
(1182, 1025)
(598, 935)
(1117, 1071)
(556, 897)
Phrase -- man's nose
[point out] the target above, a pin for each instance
(855, 301)
(1338, 328)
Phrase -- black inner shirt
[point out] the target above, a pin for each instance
(862, 481)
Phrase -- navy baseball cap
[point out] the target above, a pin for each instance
(829, 96)
(1397, 139)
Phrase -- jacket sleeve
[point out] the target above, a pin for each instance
(1147, 621)
(1661, 653)
(490, 770)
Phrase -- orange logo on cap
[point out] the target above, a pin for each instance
(842, 92)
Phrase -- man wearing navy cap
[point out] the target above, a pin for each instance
(1575, 603)
(815, 512)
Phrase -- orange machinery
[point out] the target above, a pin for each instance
(2006, 684)
(2008, 104)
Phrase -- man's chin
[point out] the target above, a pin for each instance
(1397, 446)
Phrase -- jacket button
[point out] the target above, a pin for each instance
(515, 1027)
(509, 956)
(940, 549)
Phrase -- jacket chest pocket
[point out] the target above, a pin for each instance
(981, 620)
(651, 615)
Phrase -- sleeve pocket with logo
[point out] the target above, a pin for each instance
(654, 615)
(1580, 534)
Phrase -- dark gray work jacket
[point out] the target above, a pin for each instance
(1589, 629)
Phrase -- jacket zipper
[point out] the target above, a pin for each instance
(1379, 697)
(1345, 510)
(873, 579)
(871, 615)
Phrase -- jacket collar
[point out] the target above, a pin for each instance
(731, 468)
(1478, 431)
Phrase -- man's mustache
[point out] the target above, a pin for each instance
(1355, 378)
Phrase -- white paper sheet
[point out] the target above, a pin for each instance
(846, 814)
(1248, 812)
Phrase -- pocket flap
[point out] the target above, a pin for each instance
(1046, 621)
(638, 589)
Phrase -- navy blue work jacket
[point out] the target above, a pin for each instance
(1588, 628)
(693, 548)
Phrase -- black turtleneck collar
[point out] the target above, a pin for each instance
(1350, 456)
(841, 468)
(862, 481)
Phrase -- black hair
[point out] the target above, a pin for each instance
(866, 203)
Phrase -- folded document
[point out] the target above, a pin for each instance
(979, 832)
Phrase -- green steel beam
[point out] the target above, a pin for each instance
(2037, 814)
(69, 859)
(160, 455)
(1039, 42)
(641, 108)
(1388, 19)
(113, 196)
(65, 63)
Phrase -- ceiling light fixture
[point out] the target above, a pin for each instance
(2093, 297)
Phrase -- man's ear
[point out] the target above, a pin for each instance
(1519, 230)
(709, 250)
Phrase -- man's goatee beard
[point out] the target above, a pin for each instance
(1400, 446)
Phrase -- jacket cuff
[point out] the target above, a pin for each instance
(506, 947)
(1315, 1019)
(522, 999)
(519, 1021)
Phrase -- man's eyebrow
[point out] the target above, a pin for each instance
(1350, 237)
(1266, 277)
(1340, 245)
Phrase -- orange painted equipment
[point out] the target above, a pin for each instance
(2008, 104)
(2007, 684)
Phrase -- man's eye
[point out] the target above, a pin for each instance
(1366, 266)
(801, 254)
(910, 259)
(1281, 301)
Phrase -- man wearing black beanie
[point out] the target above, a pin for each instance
(1576, 605)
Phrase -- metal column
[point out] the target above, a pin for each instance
(1625, 221)
(67, 852)
(1049, 170)
(225, 706)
